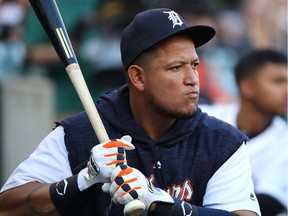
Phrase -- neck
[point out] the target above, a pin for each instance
(251, 121)
(154, 123)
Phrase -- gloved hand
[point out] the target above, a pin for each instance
(103, 160)
(129, 184)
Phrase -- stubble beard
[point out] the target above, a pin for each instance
(175, 113)
(181, 114)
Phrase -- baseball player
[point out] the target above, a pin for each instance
(262, 77)
(182, 162)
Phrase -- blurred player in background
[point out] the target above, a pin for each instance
(261, 76)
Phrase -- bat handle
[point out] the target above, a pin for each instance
(76, 76)
(134, 208)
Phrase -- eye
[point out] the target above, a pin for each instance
(176, 67)
(278, 80)
(195, 65)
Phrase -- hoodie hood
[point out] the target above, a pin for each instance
(115, 110)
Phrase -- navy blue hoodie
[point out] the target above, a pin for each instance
(181, 162)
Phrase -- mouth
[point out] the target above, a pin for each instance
(192, 98)
(193, 94)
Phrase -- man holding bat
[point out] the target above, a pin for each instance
(182, 162)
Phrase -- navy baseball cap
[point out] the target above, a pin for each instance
(152, 26)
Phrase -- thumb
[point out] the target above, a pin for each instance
(126, 138)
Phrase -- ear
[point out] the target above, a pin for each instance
(136, 76)
(246, 88)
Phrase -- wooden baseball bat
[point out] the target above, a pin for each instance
(50, 18)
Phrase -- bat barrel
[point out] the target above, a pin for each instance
(50, 18)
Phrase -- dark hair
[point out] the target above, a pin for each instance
(250, 64)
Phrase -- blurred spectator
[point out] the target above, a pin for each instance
(266, 23)
(100, 31)
(12, 47)
(231, 42)
(42, 59)
(262, 80)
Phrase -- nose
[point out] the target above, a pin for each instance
(191, 75)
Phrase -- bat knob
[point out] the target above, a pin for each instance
(134, 208)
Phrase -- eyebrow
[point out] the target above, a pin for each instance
(196, 59)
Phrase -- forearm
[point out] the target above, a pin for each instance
(30, 199)
(67, 196)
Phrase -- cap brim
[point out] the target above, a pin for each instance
(199, 34)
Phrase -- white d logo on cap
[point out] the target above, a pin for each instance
(174, 17)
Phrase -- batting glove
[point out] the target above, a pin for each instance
(129, 184)
(103, 160)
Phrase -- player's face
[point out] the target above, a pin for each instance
(270, 89)
(171, 78)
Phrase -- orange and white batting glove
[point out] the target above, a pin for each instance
(103, 160)
(129, 184)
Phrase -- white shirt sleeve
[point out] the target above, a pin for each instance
(48, 163)
(268, 153)
(236, 182)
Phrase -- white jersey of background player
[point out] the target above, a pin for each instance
(262, 80)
